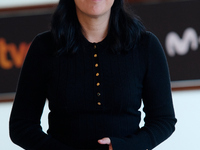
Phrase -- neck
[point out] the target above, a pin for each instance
(95, 29)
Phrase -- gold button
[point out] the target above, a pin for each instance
(96, 65)
(95, 55)
(98, 84)
(97, 74)
(99, 103)
(95, 46)
(98, 94)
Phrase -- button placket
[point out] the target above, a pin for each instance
(97, 77)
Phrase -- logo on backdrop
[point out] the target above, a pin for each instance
(12, 55)
(181, 46)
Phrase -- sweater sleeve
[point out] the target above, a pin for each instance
(158, 107)
(24, 125)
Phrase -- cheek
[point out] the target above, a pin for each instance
(80, 4)
(109, 4)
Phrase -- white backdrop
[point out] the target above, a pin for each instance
(15, 3)
(186, 136)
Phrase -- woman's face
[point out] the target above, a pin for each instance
(94, 8)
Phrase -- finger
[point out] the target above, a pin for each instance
(104, 141)
(110, 147)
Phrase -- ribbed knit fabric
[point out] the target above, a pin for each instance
(93, 94)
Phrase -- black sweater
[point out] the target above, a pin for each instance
(93, 94)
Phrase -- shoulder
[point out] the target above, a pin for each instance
(149, 42)
(45, 38)
(44, 42)
(148, 37)
(150, 47)
(41, 52)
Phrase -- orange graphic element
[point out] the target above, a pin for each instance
(17, 54)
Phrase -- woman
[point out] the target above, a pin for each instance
(94, 67)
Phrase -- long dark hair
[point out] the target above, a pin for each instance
(124, 28)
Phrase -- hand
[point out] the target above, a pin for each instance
(106, 141)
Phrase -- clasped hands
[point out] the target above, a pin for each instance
(106, 141)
